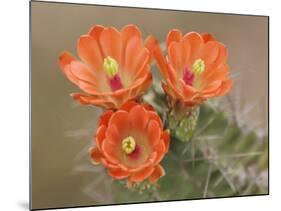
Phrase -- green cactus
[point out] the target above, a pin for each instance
(220, 160)
(214, 157)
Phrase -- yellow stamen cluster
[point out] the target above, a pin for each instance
(110, 66)
(198, 67)
(128, 144)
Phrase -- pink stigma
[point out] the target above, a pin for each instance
(136, 153)
(188, 77)
(115, 83)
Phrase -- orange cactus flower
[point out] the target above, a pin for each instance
(130, 143)
(114, 66)
(195, 68)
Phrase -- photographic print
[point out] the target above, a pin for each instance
(135, 105)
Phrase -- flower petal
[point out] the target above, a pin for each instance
(150, 44)
(111, 152)
(153, 132)
(127, 33)
(160, 60)
(166, 138)
(96, 155)
(89, 51)
(207, 37)
(89, 88)
(222, 57)
(139, 86)
(95, 31)
(92, 100)
(152, 115)
(173, 74)
(140, 65)
(171, 90)
(128, 105)
(174, 35)
(149, 162)
(156, 174)
(195, 41)
(219, 73)
(119, 117)
(65, 60)
(110, 40)
(142, 175)
(100, 135)
(211, 88)
(175, 57)
(138, 118)
(225, 87)
(108, 164)
(148, 107)
(160, 149)
(133, 49)
(187, 90)
(82, 72)
(210, 52)
(113, 135)
(104, 118)
(118, 173)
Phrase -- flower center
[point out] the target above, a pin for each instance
(115, 83)
(129, 145)
(110, 66)
(188, 77)
(198, 67)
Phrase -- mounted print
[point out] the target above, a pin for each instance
(135, 105)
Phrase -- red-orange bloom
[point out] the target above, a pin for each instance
(195, 68)
(130, 143)
(114, 67)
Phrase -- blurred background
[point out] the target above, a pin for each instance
(62, 130)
